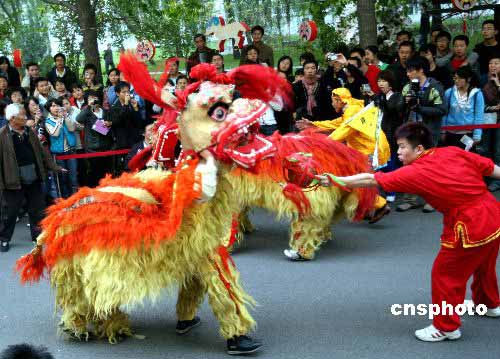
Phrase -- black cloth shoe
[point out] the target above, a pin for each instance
(242, 345)
(184, 326)
(4, 246)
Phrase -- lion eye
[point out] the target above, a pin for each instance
(219, 113)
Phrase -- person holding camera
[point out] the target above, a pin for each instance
(90, 80)
(97, 137)
(424, 103)
(61, 129)
(125, 117)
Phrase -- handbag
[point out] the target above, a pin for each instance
(28, 174)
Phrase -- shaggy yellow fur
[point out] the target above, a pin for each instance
(91, 288)
(328, 205)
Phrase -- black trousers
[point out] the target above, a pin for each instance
(13, 201)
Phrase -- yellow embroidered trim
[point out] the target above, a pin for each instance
(461, 233)
(139, 194)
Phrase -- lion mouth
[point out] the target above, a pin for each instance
(241, 142)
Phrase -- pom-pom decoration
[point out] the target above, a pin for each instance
(308, 30)
(145, 50)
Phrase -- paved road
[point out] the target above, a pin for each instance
(335, 307)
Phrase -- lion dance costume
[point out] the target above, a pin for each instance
(126, 240)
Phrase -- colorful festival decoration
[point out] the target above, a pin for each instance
(308, 30)
(464, 5)
(145, 50)
(18, 58)
(235, 30)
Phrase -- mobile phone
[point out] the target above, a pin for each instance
(366, 88)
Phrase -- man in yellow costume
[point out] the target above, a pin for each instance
(359, 128)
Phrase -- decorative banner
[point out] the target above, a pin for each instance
(17, 55)
(308, 31)
(464, 5)
(217, 27)
(145, 50)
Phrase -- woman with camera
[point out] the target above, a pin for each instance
(465, 107)
(61, 130)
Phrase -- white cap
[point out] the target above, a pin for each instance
(12, 110)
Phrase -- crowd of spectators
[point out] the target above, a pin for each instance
(445, 82)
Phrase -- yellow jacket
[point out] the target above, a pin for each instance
(351, 134)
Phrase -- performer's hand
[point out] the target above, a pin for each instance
(303, 124)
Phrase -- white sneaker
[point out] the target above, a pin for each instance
(293, 255)
(493, 312)
(390, 199)
(432, 334)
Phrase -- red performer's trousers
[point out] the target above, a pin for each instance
(450, 273)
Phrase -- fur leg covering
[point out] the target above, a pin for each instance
(115, 327)
(191, 294)
(308, 235)
(226, 296)
(245, 225)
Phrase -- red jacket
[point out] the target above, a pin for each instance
(451, 180)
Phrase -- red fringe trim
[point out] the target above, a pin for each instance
(31, 267)
(296, 194)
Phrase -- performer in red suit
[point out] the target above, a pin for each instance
(451, 180)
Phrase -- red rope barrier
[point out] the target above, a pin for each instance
(469, 127)
(93, 154)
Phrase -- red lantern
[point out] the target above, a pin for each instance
(17, 55)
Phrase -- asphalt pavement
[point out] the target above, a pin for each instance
(337, 306)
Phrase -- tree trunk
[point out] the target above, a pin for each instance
(88, 25)
(367, 22)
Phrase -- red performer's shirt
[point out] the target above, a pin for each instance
(451, 180)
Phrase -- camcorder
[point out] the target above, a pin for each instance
(415, 94)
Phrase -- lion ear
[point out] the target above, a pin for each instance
(169, 99)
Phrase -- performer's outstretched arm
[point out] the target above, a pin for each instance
(359, 180)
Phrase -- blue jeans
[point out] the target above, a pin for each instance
(68, 181)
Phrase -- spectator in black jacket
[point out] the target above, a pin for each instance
(60, 70)
(307, 93)
(97, 138)
(141, 145)
(440, 73)
(406, 50)
(125, 117)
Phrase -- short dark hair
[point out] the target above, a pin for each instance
(299, 72)
(3, 76)
(182, 76)
(11, 90)
(257, 27)
(373, 49)
(252, 47)
(490, 21)
(428, 47)
(310, 62)
(200, 35)
(60, 80)
(76, 86)
(466, 72)
(388, 76)
(307, 56)
(121, 85)
(90, 67)
(415, 133)
(60, 54)
(404, 32)
(40, 79)
(443, 33)
(29, 64)
(92, 93)
(418, 63)
(25, 351)
(216, 54)
(4, 60)
(51, 101)
(408, 44)
(359, 50)
(461, 37)
(355, 58)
